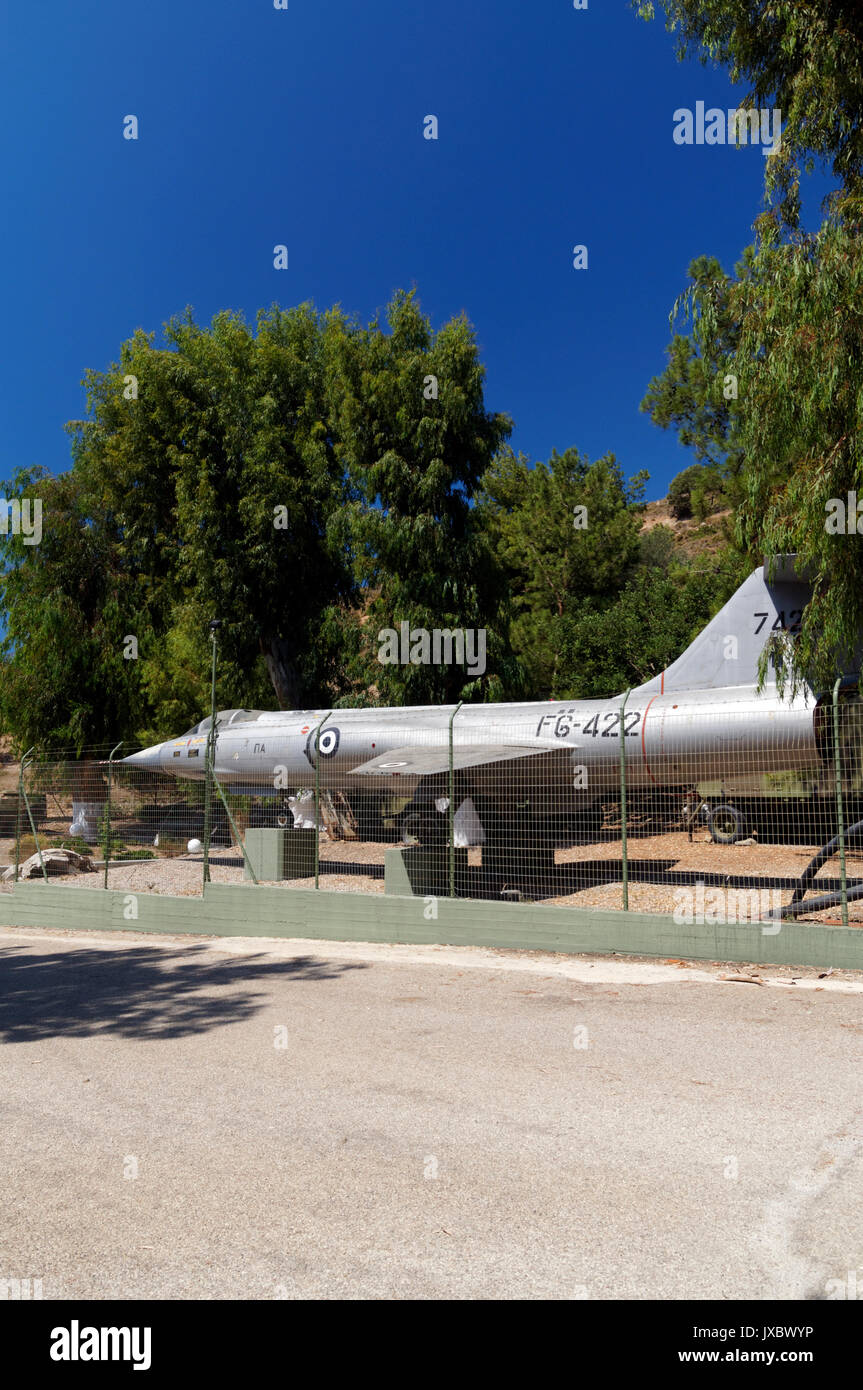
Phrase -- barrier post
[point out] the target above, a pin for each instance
(837, 763)
(623, 845)
(318, 798)
(234, 829)
(210, 753)
(18, 819)
(22, 793)
(114, 750)
(451, 808)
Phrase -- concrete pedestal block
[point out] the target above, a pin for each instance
(422, 872)
(277, 853)
(517, 862)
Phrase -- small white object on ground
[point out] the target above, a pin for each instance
(303, 810)
(467, 826)
(86, 816)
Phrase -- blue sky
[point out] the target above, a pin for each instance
(305, 127)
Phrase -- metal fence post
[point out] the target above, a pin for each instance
(233, 826)
(625, 864)
(318, 797)
(210, 753)
(22, 793)
(839, 809)
(451, 790)
(24, 757)
(115, 749)
(208, 801)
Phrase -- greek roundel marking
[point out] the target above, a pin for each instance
(328, 743)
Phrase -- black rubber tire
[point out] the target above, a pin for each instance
(411, 824)
(727, 824)
(423, 825)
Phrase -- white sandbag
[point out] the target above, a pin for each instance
(303, 810)
(466, 824)
(86, 816)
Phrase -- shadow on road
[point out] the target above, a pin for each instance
(138, 993)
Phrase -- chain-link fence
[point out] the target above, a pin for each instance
(747, 810)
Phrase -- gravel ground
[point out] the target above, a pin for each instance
(354, 867)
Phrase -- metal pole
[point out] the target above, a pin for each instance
(625, 864)
(318, 796)
(108, 808)
(838, 771)
(21, 767)
(22, 792)
(451, 846)
(233, 825)
(210, 754)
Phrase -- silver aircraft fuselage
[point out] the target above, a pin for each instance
(705, 719)
(669, 740)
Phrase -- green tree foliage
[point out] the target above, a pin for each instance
(697, 393)
(68, 602)
(804, 57)
(787, 325)
(222, 478)
(565, 531)
(697, 491)
(296, 480)
(414, 439)
(800, 361)
(607, 647)
(657, 546)
(797, 359)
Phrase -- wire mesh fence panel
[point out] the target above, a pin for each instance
(85, 820)
(467, 801)
(729, 802)
(371, 796)
(11, 806)
(716, 809)
(683, 805)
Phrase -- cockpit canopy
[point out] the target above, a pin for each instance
(224, 718)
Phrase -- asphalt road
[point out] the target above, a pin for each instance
(264, 1120)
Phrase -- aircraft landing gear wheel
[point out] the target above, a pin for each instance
(727, 825)
(417, 826)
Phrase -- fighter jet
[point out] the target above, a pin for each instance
(539, 772)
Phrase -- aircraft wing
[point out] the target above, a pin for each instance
(419, 761)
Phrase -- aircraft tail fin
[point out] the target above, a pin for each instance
(727, 651)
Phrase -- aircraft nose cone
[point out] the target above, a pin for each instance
(148, 757)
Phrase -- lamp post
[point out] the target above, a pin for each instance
(210, 755)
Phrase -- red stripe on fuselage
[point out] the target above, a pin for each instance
(643, 749)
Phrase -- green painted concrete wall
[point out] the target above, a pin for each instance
(238, 910)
